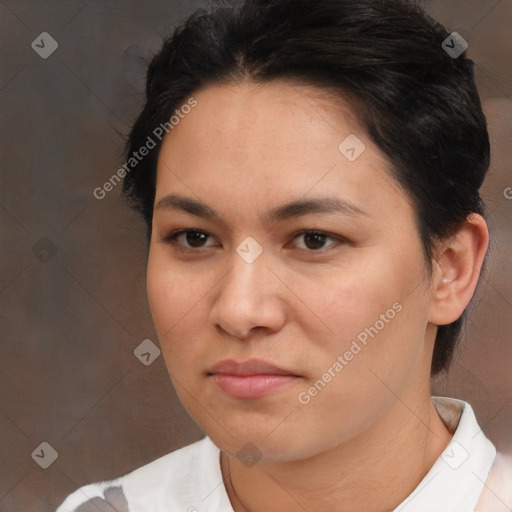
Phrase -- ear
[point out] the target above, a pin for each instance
(456, 270)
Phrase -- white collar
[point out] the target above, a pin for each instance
(455, 481)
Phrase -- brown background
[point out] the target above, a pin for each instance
(71, 320)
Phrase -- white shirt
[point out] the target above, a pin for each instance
(469, 476)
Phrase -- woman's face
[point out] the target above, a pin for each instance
(343, 313)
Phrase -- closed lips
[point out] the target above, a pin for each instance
(250, 367)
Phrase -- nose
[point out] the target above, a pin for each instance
(250, 298)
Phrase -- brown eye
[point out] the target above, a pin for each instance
(191, 238)
(315, 240)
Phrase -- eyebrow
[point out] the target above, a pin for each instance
(281, 213)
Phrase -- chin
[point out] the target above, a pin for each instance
(250, 442)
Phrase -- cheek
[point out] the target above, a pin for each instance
(367, 362)
(175, 305)
(163, 295)
(376, 315)
(362, 293)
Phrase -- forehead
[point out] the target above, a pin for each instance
(258, 141)
(291, 109)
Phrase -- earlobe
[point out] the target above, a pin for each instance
(457, 269)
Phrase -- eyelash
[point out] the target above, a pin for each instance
(171, 239)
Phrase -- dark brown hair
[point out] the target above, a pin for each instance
(418, 103)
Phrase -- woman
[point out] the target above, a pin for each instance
(309, 175)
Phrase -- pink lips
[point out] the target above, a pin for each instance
(250, 379)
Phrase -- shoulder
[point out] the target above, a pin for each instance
(497, 493)
(171, 479)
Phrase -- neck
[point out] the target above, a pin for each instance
(374, 472)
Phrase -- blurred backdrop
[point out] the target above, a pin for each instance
(73, 308)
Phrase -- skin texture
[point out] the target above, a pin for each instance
(243, 150)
